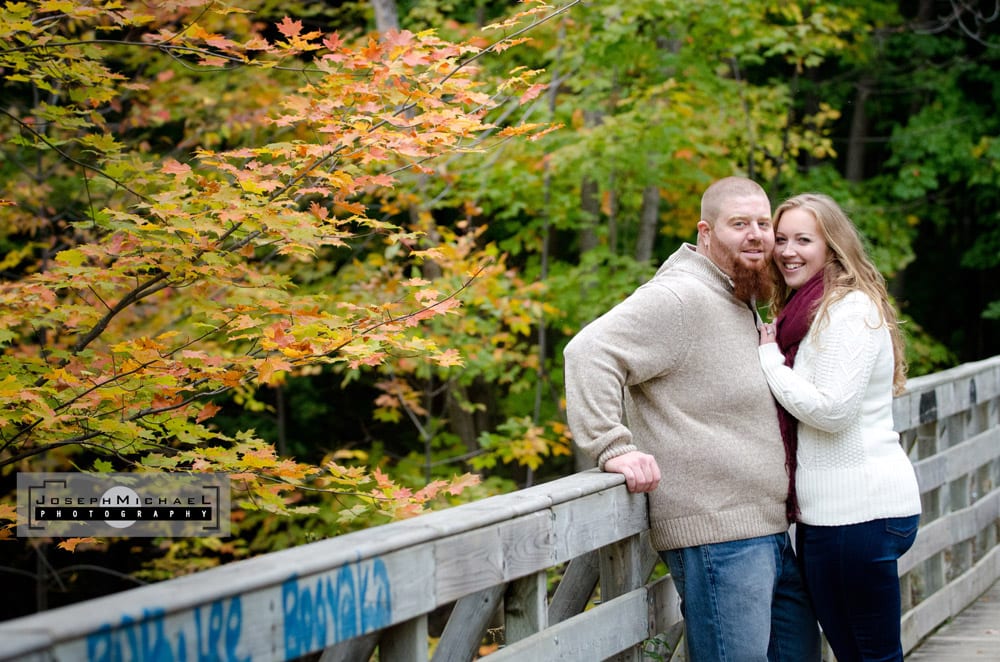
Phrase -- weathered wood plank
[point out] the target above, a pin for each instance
(973, 636)
(665, 605)
(595, 634)
(621, 564)
(526, 608)
(950, 600)
(957, 461)
(493, 555)
(576, 588)
(468, 623)
(666, 620)
(596, 520)
(406, 642)
(946, 386)
(940, 534)
(352, 650)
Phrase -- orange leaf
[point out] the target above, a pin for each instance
(70, 544)
(268, 371)
(381, 479)
(289, 28)
(532, 92)
(462, 482)
(175, 167)
(430, 491)
(208, 411)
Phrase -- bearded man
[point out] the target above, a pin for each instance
(669, 381)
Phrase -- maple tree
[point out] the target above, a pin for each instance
(151, 281)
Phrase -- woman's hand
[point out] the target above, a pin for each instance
(767, 333)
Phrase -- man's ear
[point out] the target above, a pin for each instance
(703, 231)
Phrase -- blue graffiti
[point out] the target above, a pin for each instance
(319, 612)
(217, 631)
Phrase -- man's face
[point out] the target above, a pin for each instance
(741, 238)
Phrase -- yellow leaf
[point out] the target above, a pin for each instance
(74, 257)
(271, 370)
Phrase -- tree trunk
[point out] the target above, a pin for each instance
(590, 204)
(386, 15)
(612, 216)
(649, 221)
(468, 425)
(854, 169)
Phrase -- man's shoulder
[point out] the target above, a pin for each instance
(685, 281)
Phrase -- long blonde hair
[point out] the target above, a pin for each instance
(848, 268)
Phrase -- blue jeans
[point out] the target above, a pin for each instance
(852, 576)
(744, 601)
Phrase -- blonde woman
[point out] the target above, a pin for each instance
(834, 360)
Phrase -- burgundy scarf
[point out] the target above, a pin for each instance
(792, 325)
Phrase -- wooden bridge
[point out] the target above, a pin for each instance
(560, 571)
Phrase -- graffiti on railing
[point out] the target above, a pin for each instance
(322, 610)
(214, 630)
(316, 612)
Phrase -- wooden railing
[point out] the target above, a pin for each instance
(487, 570)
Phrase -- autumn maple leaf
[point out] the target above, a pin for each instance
(71, 544)
(458, 485)
(289, 28)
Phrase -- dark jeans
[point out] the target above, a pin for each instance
(744, 601)
(852, 578)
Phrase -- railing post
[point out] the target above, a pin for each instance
(467, 624)
(525, 607)
(406, 642)
(577, 585)
(621, 571)
(935, 506)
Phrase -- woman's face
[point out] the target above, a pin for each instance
(799, 249)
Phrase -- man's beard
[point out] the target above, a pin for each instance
(750, 282)
(750, 279)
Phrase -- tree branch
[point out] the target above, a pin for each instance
(69, 158)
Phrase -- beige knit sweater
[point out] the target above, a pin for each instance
(673, 371)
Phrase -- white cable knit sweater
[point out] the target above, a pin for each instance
(851, 467)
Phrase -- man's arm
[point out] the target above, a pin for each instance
(641, 472)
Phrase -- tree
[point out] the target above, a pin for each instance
(143, 282)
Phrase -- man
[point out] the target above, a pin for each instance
(678, 361)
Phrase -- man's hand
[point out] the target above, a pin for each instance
(640, 470)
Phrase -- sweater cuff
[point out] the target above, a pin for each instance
(770, 354)
(612, 452)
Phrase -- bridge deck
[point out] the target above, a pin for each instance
(973, 636)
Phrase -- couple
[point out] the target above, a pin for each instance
(679, 378)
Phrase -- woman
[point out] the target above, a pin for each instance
(834, 359)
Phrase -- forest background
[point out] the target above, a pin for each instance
(334, 249)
